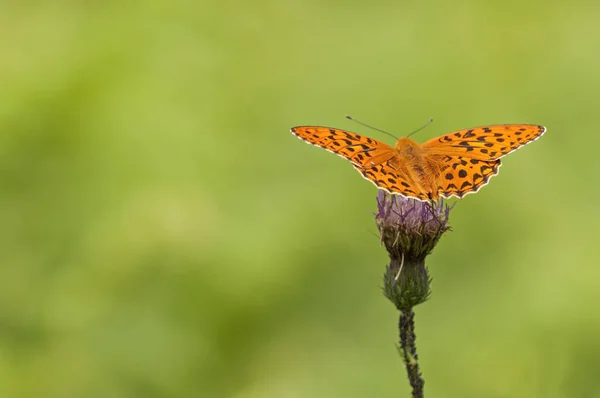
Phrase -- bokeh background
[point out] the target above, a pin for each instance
(163, 235)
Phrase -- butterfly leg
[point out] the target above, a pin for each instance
(432, 201)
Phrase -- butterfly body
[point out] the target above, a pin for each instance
(454, 164)
(412, 162)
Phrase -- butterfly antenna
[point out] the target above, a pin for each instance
(371, 127)
(421, 128)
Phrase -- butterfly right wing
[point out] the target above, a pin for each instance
(362, 151)
(460, 175)
(486, 142)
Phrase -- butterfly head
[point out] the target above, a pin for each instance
(406, 146)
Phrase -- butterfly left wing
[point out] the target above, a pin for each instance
(360, 150)
(485, 143)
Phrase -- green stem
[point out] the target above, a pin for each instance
(409, 352)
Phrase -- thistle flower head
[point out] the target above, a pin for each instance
(409, 229)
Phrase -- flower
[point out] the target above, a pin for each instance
(409, 229)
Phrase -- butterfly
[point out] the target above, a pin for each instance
(454, 164)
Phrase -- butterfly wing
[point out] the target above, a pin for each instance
(485, 143)
(375, 160)
(461, 175)
(362, 151)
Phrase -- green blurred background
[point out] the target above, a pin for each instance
(164, 235)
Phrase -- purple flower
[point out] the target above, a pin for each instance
(409, 229)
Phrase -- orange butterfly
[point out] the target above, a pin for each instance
(454, 164)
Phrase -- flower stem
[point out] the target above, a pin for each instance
(409, 352)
